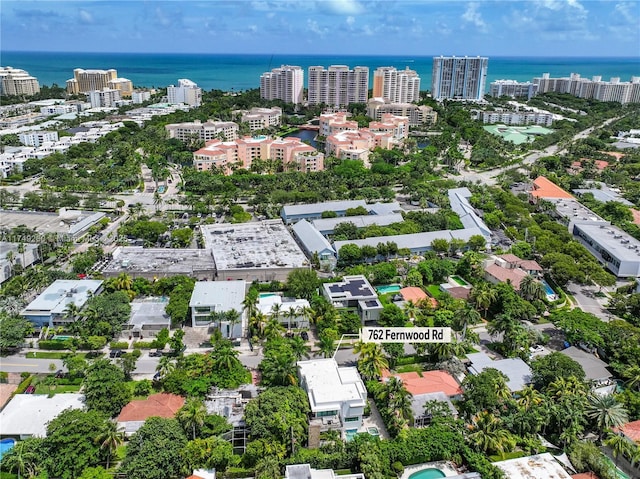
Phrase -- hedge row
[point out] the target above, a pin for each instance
(22, 387)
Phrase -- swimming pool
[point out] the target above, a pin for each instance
(267, 295)
(57, 337)
(6, 445)
(350, 434)
(430, 473)
(389, 288)
(459, 281)
(373, 431)
(551, 294)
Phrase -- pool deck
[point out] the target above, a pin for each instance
(446, 467)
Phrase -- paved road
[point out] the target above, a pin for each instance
(588, 302)
(18, 364)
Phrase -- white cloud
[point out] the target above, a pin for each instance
(350, 20)
(314, 27)
(472, 16)
(342, 7)
(85, 16)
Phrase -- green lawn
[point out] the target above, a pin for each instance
(434, 291)
(52, 355)
(44, 389)
(409, 368)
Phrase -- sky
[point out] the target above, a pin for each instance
(350, 27)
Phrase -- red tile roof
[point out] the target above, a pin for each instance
(412, 293)
(161, 404)
(631, 430)
(636, 216)
(544, 188)
(514, 276)
(430, 382)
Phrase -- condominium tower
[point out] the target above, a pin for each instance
(338, 85)
(595, 88)
(186, 92)
(396, 86)
(513, 88)
(459, 78)
(285, 83)
(17, 82)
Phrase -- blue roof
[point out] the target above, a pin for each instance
(310, 238)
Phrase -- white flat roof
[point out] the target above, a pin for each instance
(328, 386)
(224, 295)
(28, 414)
(540, 466)
(61, 293)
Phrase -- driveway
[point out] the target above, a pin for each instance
(588, 302)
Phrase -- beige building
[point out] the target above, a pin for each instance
(338, 85)
(84, 81)
(209, 130)
(396, 86)
(331, 123)
(417, 115)
(15, 82)
(595, 88)
(241, 153)
(260, 118)
(124, 85)
(285, 83)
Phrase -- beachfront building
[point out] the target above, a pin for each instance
(209, 130)
(594, 88)
(260, 118)
(338, 85)
(51, 307)
(285, 83)
(16, 82)
(186, 92)
(219, 297)
(396, 86)
(337, 395)
(107, 97)
(459, 78)
(288, 153)
(506, 117)
(37, 138)
(513, 89)
(417, 114)
(84, 81)
(124, 85)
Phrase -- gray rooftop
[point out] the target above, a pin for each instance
(418, 402)
(380, 209)
(28, 414)
(594, 368)
(618, 243)
(517, 371)
(149, 313)
(136, 259)
(413, 241)
(75, 223)
(327, 225)
(265, 244)
(6, 247)
(224, 295)
(61, 293)
(319, 208)
(574, 211)
(355, 287)
(604, 195)
(459, 201)
(311, 239)
(230, 403)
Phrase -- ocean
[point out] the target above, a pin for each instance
(242, 72)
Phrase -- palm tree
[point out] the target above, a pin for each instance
(225, 357)
(484, 297)
(250, 303)
(443, 351)
(233, 317)
(291, 314)
(279, 369)
(276, 310)
(632, 374)
(10, 256)
(110, 439)
(157, 201)
(566, 386)
(326, 346)
(606, 412)
(192, 415)
(165, 366)
(299, 348)
(620, 445)
(488, 434)
(528, 397)
(71, 312)
(273, 328)
(466, 317)
(372, 360)
(257, 322)
(123, 282)
(531, 289)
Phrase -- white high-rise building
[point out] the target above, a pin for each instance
(285, 83)
(595, 88)
(459, 78)
(512, 88)
(186, 92)
(396, 86)
(106, 97)
(338, 85)
(15, 82)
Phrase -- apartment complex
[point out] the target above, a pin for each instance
(210, 130)
(514, 117)
(417, 115)
(14, 81)
(396, 86)
(123, 84)
(513, 88)
(260, 118)
(84, 81)
(594, 88)
(139, 97)
(107, 97)
(459, 78)
(331, 123)
(285, 83)
(37, 138)
(186, 92)
(338, 85)
(226, 155)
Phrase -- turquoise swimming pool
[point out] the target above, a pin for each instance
(430, 473)
(389, 288)
(266, 295)
(58, 337)
(350, 434)
(5, 446)
(551, 294)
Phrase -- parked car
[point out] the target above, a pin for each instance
(59, 374)
(115, 353)
(156, 354)
(304, 335)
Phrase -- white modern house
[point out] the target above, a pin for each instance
(220, 297)
(291, 312)
(337, 395)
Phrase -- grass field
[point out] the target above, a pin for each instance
(44, 389)
(434, 291)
